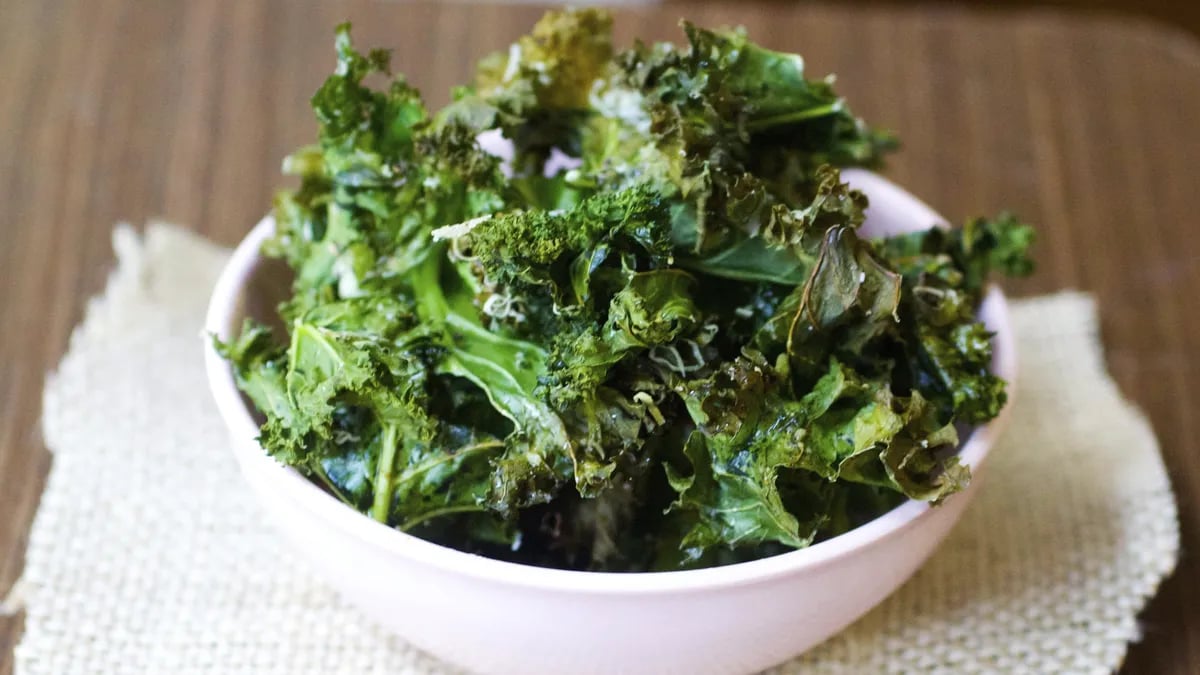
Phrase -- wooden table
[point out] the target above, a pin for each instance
(117, 110)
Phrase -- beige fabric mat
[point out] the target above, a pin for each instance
(149, 555)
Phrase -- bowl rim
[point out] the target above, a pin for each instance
(309, 498)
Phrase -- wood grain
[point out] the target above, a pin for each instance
(116, 110)
(1181, 13)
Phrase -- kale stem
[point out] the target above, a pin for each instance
(794, 116)
(429, 515)
(384, 472)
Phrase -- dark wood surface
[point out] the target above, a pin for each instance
(1183, 14)
(117, 110)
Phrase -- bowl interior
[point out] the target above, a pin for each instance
(251, 286)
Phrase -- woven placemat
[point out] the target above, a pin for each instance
(149, 554)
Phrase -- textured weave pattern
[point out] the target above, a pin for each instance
(149, 555)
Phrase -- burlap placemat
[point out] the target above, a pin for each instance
(149, 555)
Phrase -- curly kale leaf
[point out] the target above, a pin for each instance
(538, 91)
(965, 257)
(775, 94)
(752, 444)
(380, 179)
(364, 132)
(948, 352)
(785, 249)
(731, 494)
(558, 62)
(537, 271)
(348, 373)
(740, 131)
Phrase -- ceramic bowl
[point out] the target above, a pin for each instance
(498, 617)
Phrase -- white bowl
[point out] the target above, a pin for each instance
(499, 617)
